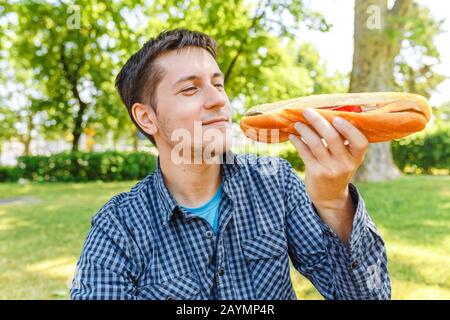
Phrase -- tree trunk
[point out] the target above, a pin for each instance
(78, 125)
(373, 69)
(72, 78)
(27, 137)
(76, 133)
(26, 144)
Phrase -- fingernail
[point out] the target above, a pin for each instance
(338, 121)
(308, 112)
(298, 126)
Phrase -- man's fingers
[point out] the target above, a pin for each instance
(357, 141)
(314, 142)
(303, 150)
(327, 131)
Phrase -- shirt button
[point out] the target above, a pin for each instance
(354, 264)
(221, 271)
(169, 298)
(209, 234)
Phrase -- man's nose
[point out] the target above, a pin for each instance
(214, 97)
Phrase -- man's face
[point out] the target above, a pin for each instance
(191, 101)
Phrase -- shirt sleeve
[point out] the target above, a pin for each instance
(104, 270)
(358, 271)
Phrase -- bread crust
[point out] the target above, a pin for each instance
(397, 115)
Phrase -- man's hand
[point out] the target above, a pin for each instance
(330, 169)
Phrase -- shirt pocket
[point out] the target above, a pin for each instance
(183, 287)
(265, 246)
(268, 265)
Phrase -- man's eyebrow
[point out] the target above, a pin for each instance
(218, 74)
(194, 77)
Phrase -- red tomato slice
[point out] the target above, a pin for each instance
(344, 108)
(349, 108)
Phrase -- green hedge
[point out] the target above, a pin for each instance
(425, 152)
(9, 174)
(86, 166)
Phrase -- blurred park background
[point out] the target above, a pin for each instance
(67, 144)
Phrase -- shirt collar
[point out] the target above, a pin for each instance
(230, 164)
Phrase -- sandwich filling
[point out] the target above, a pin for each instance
(344, 108)
(348, 108)
(395, 106)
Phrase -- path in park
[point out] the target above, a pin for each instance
(19, 200)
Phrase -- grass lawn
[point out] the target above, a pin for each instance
(40, 241)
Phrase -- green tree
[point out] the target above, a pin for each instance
(20, 102)
(418, 55)
(72, 50)
(7, 131)
(381, 35)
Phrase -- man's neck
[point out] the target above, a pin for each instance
(190, 184)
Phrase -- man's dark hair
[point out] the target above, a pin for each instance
(139, 77)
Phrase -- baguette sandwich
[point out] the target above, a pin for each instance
(380, 116)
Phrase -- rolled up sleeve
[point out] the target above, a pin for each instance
(357, 271)
(104, 271)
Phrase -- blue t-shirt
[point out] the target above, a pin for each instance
(209, 210)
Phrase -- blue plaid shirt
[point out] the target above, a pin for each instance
(142, 245)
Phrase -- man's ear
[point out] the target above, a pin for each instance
(145, 117)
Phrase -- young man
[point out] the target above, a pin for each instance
(199, 229)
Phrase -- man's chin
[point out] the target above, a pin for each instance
(200, 153)
(211, 151)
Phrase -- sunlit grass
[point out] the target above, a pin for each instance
(40, 242)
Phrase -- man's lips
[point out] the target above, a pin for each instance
(218, 120)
